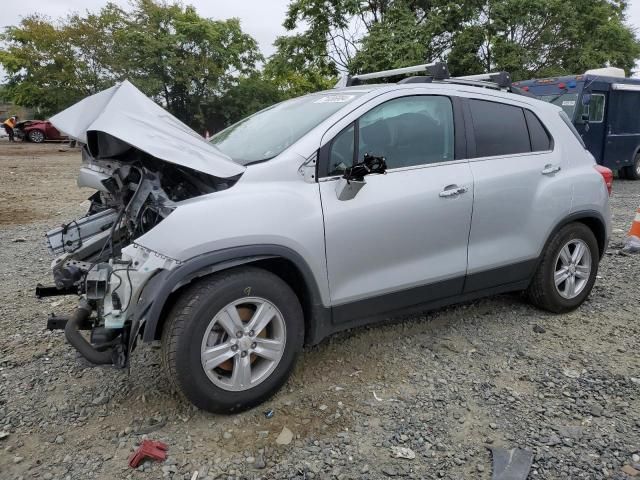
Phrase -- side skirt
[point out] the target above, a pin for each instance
(373, 310)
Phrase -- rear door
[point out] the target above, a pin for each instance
(519, 193)
(402, 240)
(623, 126)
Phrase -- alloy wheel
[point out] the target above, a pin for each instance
(36, 136)
(243, 344)
(572, 268)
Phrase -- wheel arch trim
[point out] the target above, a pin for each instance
(156, 292)
(586, 217)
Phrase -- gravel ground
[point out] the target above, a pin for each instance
(448, 384)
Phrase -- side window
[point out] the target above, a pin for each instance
(341, 151)
(595, 109)
(407, 131)
(540, 140)
(499, 129)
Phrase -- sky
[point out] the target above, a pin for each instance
(260, 18)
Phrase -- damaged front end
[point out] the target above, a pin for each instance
(140, 178)
(97, 256)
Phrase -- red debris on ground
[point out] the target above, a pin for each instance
(148, 449)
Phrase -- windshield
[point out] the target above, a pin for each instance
(269, 132)
(568, 102)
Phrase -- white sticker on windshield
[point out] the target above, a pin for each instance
(569, 103)
(335, 99)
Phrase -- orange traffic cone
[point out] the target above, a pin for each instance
(632, 244)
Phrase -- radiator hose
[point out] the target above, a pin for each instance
(75, 338)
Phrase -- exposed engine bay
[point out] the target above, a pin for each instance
(134, 193)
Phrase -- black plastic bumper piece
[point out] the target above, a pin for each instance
(56, 323)
(43, 291)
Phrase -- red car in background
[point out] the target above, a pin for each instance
(37, 131)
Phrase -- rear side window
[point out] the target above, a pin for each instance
(499, 129)
(567, 121)
(540, 140)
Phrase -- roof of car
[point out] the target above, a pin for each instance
(441, 87)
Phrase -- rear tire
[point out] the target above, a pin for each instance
(36, 136)
(560, 263)
(192, 348)
(632, 172)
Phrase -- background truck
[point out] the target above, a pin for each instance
(604, 106)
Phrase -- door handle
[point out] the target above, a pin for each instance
(551, 169)
(452, 191)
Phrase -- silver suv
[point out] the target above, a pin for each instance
(321, 213)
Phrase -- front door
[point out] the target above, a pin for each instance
(594, 132)
(402, 240)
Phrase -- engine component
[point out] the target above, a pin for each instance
(72, 333)
(92, 179)
(97, 281)
(70, 237)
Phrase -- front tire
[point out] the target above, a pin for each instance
(36, 136)
(232, 339)
(567, 270)
(632, 172)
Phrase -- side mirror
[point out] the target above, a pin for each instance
(586, 100)
(346, 190)
(353, 180)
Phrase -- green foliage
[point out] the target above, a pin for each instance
(207, 73)
(527, 37)
(296, 70)
(185, 62)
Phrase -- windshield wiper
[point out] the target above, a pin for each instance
(253, 162)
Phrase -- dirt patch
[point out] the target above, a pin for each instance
(36, 181)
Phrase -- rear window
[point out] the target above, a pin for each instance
(540, 139)
(499, 129)
(566, 120)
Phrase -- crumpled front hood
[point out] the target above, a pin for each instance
(114, 120)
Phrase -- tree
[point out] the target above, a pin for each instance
(527, 37)
(185, 62)
(295, 70)
(181, 59)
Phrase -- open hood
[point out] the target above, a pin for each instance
(114, 120)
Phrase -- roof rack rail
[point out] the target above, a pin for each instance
(438, 71)
(500, 79)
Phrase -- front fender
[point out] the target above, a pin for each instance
(156, 292)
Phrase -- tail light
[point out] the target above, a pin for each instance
(607, 176)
